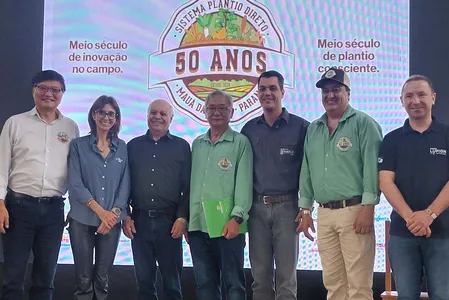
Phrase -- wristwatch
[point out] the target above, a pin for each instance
(239, 220)
(116, 211)
(431, 213)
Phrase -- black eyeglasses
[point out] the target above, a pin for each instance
(43, 89)
(111, 115)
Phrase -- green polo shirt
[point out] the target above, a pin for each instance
(341, 165)
(220, 170)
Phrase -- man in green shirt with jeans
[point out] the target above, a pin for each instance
(222, 168)
(339, 171)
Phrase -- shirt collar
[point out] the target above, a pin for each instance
(228, 136)
(283, 116)
(350, 111)
(34, 112)
(114, 141)
(435, 126)
(150, 137)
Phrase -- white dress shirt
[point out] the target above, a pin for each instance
(33, 154)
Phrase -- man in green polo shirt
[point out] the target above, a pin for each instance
(339, 171)
(222, 169)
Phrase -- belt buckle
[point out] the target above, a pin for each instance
(265, 200)
(152, 213)
(42, 200)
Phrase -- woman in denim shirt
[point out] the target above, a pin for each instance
(98, 193)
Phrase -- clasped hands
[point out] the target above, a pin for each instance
(419, 223)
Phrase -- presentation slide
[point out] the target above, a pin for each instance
(179, 50)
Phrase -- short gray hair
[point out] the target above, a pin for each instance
(219, 93)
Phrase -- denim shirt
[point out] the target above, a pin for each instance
(90, 175)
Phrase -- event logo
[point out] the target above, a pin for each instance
(219, 45)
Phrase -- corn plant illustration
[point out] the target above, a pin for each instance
(224, 25)
(204, 22)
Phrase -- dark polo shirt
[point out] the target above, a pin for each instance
(278, 151)
(421, 165)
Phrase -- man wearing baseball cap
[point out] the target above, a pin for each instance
(339, 171)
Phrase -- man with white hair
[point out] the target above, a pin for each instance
(159, 165)
(222, 168)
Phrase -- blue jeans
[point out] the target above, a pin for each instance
(153, 242)
(215, 259)
(411, 258)
(37, 227)
(273, 240)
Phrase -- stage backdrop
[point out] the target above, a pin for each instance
(137, 51)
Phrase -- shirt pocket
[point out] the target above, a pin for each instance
(287, 148)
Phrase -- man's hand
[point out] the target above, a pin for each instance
(305, 222)
(179, 227)
(231, 229)
(4, 217)
(108, 218)
(364, 223)
(128, 228)
(419, 222)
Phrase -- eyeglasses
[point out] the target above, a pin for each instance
(43, 89)
(111, 115)
(221, 109)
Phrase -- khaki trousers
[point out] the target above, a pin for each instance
(347, 258)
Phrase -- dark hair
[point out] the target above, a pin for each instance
(272, 73)
(418, 78)
(48, 75)
(99, 104)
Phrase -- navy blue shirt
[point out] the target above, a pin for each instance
(160, 173)
(92, 176)
(421, 165)
(278, 152)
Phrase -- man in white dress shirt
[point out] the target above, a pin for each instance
(33, 178)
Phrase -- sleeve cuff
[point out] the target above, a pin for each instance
(306, 203)
(239, 212)
(3, 194)
(370, 199)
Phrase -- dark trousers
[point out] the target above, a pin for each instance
(153, 242)
(37, 227)
(92, 279)
(216, 259)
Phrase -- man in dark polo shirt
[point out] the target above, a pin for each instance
(277, 139)
(160, 166)
(414, 175)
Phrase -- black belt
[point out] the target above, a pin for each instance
(275, 199)
(154, 213)
(342, 203)
(37, 200)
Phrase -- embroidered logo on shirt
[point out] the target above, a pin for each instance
(344, 143)
(118, 159)
(436, 151)
(380, 160)
(286, 151)
(225, 163)
(62, 137)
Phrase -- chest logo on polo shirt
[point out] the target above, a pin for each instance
(118, 159)
(63, 137)
(436, 151)
(225, 163)
(344, 143)
(287, 151)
